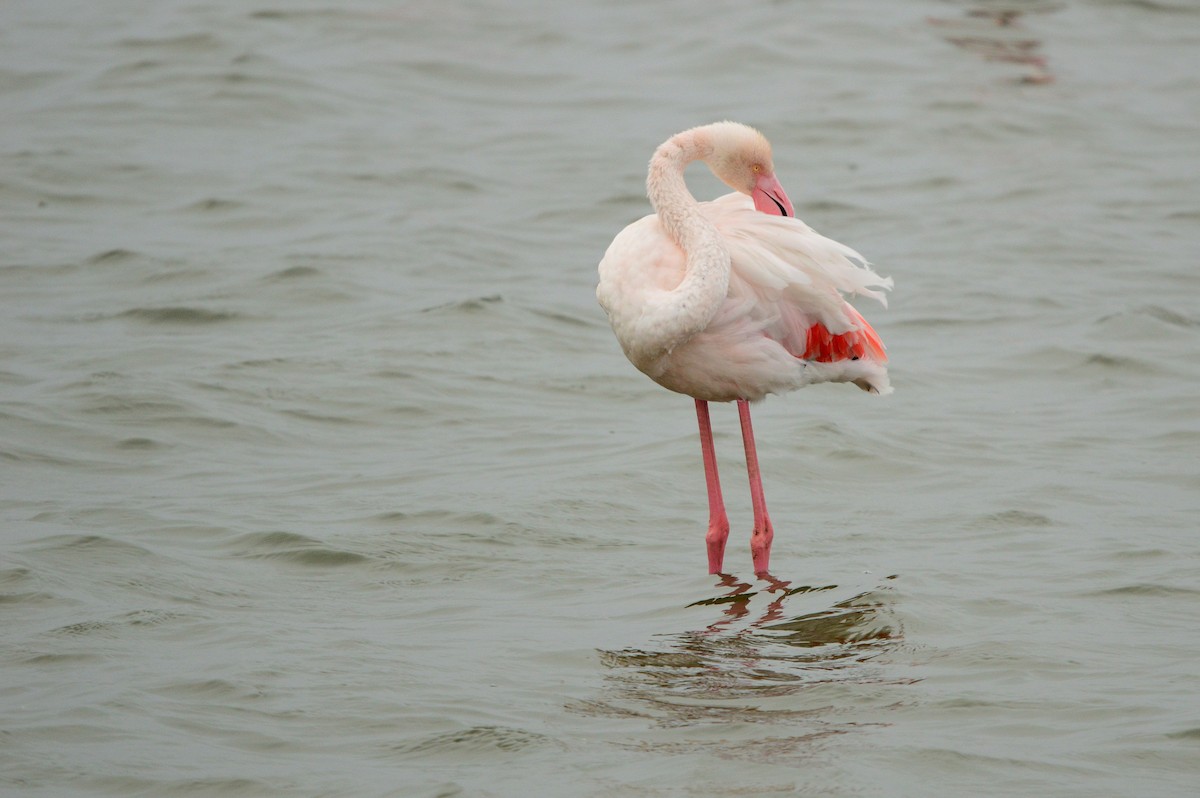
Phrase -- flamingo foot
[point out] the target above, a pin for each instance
(760, 547)
(718, 533)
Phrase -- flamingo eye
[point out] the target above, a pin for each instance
(756, 168)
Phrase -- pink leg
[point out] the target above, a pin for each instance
(760, 538)
(718, 522)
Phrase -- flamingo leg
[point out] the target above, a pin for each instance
(718, 521)
(760, 538)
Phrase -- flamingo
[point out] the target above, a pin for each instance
(733, 299)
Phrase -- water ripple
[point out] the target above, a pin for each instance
(289, 547)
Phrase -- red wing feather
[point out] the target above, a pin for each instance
(825, 347)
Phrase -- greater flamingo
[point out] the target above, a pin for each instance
(733, 299)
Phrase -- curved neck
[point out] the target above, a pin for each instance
(677, 209)
(692, 304)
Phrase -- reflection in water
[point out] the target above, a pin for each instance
(758, 663)
(994, 32)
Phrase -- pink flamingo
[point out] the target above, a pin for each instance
(733, 299)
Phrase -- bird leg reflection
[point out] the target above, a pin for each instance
(737, 601)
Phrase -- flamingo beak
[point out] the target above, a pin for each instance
(769, 196)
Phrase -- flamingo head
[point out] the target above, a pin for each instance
(741, 158)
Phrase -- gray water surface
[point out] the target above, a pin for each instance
(323, 475)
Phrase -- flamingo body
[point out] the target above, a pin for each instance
(782, 325)
(733, 299)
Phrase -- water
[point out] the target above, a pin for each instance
(324, 476)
